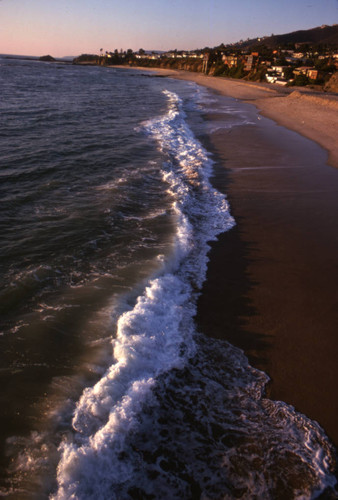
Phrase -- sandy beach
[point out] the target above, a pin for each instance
(310, 113)
(272, 281)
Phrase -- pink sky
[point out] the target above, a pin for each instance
(72, 27)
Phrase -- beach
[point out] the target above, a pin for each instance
(271, 286)
(313, 114)
(161, 255)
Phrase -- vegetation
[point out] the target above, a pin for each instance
(87, 59)
(47, 58)
(299, 58)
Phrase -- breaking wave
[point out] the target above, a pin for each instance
(177, 415)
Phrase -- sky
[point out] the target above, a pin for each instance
(72, 27)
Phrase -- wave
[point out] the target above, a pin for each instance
(157, 335)
(177, 415)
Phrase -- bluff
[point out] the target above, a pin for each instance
(332, 84)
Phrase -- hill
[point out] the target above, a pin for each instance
(322, 35)
(47, 58)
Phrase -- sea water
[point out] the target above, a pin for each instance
(107, 388)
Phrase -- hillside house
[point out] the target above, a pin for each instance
(276, 74)
(278, 71)
(312, 74)
(307, 71)
(170, 55)
(251, 61)
(205, 65)
(230, 60)
(195, 56)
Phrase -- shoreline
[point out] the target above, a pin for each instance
(312, 114)
(271, 282)
(271, 286)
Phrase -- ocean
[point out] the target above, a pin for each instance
(108, 388)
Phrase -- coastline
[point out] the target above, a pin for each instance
(271, 285)
(312, 114)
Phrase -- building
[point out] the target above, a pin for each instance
(312, 74)
(275, 79)
(251, 61)
(308, 71)
(277, 71)
(205, 65)
(276, 74)
(230, 60)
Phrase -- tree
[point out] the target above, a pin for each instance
(288, 73)
(301, 80)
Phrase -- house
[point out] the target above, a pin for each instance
(277, 71)
(205, 65)
(170, 55)
(287, 52)
(312, 74)
(271, 78)
(275, 79)
(230, 60)
(281, 81)
(192, 55)
(251, 61)
(276, 74)
(292, 60)
(308, 71)
(302, 70)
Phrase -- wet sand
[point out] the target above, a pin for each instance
(271, 286)
(272, 282)
(312, 114)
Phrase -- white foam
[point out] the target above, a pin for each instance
(156, 335)
(219, 126)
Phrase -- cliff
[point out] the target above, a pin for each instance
(332, 84)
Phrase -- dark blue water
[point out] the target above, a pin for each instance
(108, 390)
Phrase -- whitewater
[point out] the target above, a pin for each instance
(129, 399)
(156, 346)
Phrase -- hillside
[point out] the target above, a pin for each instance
(323, 35)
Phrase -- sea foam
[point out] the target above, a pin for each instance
(178, 415)
(156, 336)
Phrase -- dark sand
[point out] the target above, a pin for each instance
(272, 283)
